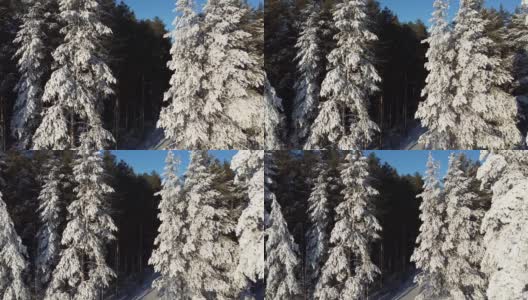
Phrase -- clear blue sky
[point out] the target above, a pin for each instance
(405, 162)
(143, 161)
(410, 10)
(410, 162)
(164, 9)
(407, 10)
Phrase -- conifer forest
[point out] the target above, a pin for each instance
(263, 149)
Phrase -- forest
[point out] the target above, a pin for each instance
(78, 223)
(353, 228)
(373, 102)
(120, 87)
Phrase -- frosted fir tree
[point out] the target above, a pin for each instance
(208, 248)
(82, 270)
(183, 120)
(349, 270)
(428, 255)
(50, 213)
(318, 216)
(517, 41)
(79, 83)
(487, 115)
(463, 242)
(343, 121)
(504, 225)
(274, 121)
(436, 112)
(281, 250)
(232, 72)
(167, 258)
(32, 54)
(13, 262)
(249, 169)
(310, 67)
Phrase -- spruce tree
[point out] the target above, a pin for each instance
(343, 121)
(281, 251)
(274, 120)
(310, 67)
(249, 168)
(504, 225)
(319, 219)
(167, 259)
(436, 112)
(233, 75)
(51, 202)
(82, 270)
(208, 248)
(463, 242)
(428, 255)
(487, 115)
(349, 270)
(78, 84)
(13, 262)
(32, 65)
(183, 120)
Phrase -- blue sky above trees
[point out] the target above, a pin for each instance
(407, 10)
(405, 162)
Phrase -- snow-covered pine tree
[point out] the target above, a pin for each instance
(274, 120)
(310, 67)
(82, 270)
(463, 241)
(428, 255)
(78, 84)
(343, 121)
(13, 262)
(281, 251)
(249, 168)
(167, 259)
(487, 115)
(349, 269)
(318, 215)
(232, 73)
(208, 248)
(32, 54)
(436, 112)
(183, 120)
(504, 225)
(51, 206)
(517, 41)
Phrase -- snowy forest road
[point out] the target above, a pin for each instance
(409, 294)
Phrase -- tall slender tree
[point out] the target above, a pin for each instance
(167, 259)
(310, 67)
(13, 262)
(504, 225)
(487, 115)
(436, 112)
(343, 121)
(82, 270)
(233, 74)
(210, 251)
(33, 55)
(349, 269)
(183, 120)
(249, 168)
(281, 250)
(463, 241)
(79, 83)
(51, 205)
(428, 255)
(319, 219)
